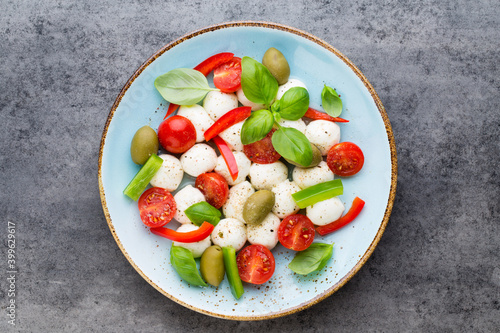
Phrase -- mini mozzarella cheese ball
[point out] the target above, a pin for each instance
(284, 204)
(243, 164)
(265, 233)
(246, 102)
(230, 232)
(238, 195)
(199, 159)
(265, 176)
(185, 198)
(325, 211)
(196, 248)
(305, 177)
(290, 84)
(324, 134)
(217, 104)
(199, 117)
(170, 174)
(232, 136)
(299, 125)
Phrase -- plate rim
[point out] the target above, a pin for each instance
(378, 103)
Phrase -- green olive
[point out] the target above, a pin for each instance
(212, 265)
(317, 158)
(144, 144)
(275, 61)
(257, 206)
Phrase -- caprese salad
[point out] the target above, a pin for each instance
(238, 140)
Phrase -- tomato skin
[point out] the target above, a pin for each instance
(227, 77)
(177, 134)
(214, 187)
(345, 159)
(157, 207)
(255, 264)
(296, 232)
(262, 151)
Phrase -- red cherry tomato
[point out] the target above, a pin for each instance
(214, 187)
(296, 232)
(255, 264)
(177, 134)
(227, 77)
(157, 207)
(345, 159)
(262, 151)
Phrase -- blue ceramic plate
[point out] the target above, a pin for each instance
(312, 61)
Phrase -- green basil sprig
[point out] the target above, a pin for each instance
(331, 101)
(183, 86)
(256, 126)
(293, 104)
(258, 84)
(183, 262)
(203, 211)
(292, 145)
(314, 258)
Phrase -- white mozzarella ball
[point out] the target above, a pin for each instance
(232, 136)
(199, 159)
(230, 232)
(324, 134)
(265, 176)
(238, 195)
(325, 211)
(243, 164)
(290, 84)
(199, 117)
(284, 204)
(185, 198)
(265, 233)
(299, 125)
(196, 248)
(305, 177)
(217, 104)
(246, 102)
(170, 174)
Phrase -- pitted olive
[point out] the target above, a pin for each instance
(212, 265)
(257, 206)
(275, 61)
(144, 144)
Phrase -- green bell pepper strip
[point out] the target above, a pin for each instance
(233, 276)
(317, 193)
(138, 184)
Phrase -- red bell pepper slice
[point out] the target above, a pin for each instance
(213, 62)
(357, 206)
(185, 237)
(228, 156)
(227, 120)
(318, 115)
(205, 68)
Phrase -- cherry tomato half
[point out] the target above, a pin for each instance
(255, 264)
(227, 77)
(296, 232)
(262, 151)
(157, 207)
(214, 187)
(345, 159)
(177, 134)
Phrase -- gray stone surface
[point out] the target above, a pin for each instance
(434, 65)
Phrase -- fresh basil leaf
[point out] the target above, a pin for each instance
(256, 126)
(183, 86)
(292, 145)
(294, 103)
(258, 84)
(183, 262)
(331, 101)
(203, 212)
(314, 258)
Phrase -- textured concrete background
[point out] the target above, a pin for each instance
(434, 65)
